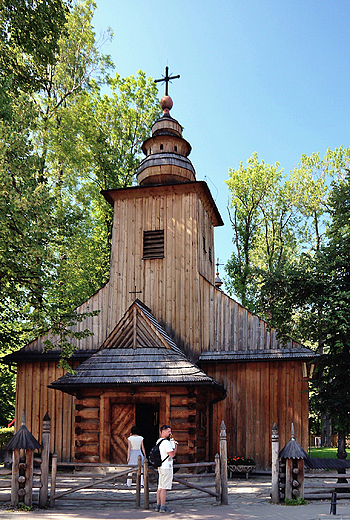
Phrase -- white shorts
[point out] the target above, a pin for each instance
(165, 478)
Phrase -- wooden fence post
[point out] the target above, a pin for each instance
(275, 495)
(138, 481)
(223, 464)
(289, 478)
(44, 478)
(53, 479)
(145, 484)
(293, 455)
(300, 477)
(217, 477)
(28, 486)
(15, 476)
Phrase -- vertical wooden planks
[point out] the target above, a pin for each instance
(266, 421)
(36, 419)
(20, 394)
(29, 395)
(59, 412)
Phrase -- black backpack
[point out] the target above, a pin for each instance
(154, 458)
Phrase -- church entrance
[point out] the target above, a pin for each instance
(147, 421)
(123, 418)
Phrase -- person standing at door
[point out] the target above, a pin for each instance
(135, 448)
(168, 449)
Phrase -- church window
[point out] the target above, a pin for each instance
(161, 147)
(175, 148)
(210, 257)
(204, 245)
(153, 244)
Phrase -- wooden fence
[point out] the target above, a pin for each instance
(94, 481)
(321, 486)
(186, 480)
(65, 484)
(197, 477)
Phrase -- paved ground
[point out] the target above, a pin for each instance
(248, 500)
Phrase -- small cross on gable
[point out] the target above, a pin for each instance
(135, 292)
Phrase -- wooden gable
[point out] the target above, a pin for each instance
(137, 352)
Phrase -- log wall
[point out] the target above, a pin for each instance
(259, 395)
(185, 409)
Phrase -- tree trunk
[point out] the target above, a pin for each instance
(326, 431)
(341, 455)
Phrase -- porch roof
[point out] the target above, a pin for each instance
(137, 352)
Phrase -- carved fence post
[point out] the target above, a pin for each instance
(22, 471)
(217, 477)
(275, 495)
(293, 456)
(28, 485)
(15, 477)
(138, 481)
(223, 464)
(53, 479)
(44, 478)
(145, 484)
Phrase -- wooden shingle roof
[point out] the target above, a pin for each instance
(137, 352)
(221, 356)
(22, 440)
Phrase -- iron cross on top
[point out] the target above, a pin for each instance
(166, 79)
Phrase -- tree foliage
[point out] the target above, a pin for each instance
(270, 220)
(68, 129)
(311, 298)
(303, 288)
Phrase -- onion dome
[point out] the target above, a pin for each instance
(166, 152)
(218, 282)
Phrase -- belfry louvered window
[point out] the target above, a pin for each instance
(153, 244)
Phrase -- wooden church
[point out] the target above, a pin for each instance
(168, 346)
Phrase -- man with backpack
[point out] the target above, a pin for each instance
(168, 449)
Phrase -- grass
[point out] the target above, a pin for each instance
(295, 501)
(323, 453)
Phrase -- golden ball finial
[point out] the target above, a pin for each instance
(166, 103)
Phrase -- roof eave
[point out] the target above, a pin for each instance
(75, 388)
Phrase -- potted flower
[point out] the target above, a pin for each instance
(240, 465)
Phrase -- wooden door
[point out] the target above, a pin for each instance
(122, 420)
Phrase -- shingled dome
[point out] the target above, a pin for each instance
(23, 440)
(293, 450)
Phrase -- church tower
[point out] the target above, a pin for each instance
(163, 236)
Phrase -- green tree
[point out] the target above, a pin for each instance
(61, 142)
(333, 264)
(29, 35)
(37, 224)
(270, 220)
(311, 298)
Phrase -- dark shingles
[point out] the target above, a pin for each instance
(23, 440)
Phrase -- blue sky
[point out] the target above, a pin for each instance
(271, 76)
